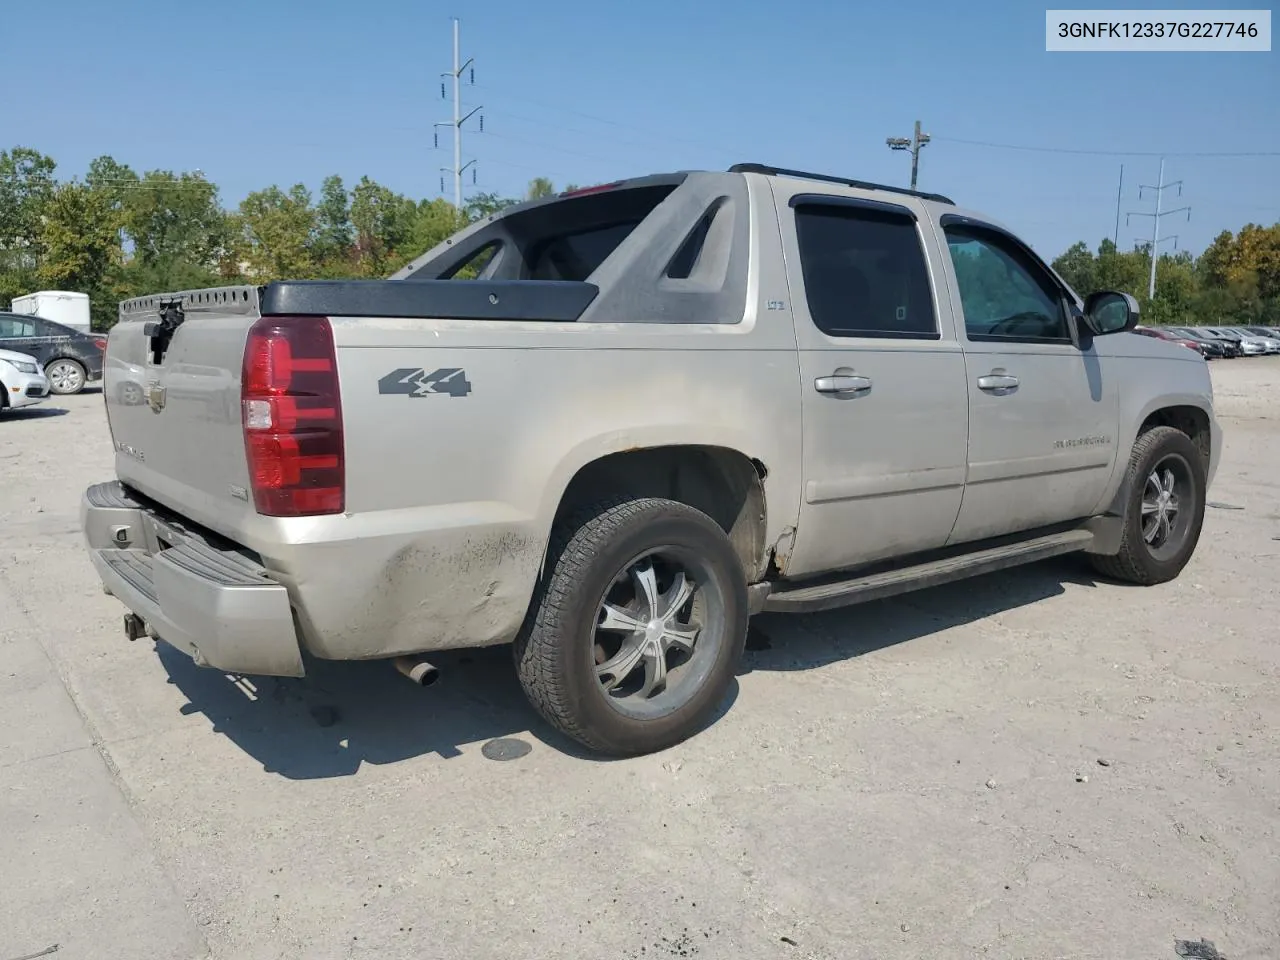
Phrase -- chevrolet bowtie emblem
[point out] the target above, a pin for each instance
(155, 397)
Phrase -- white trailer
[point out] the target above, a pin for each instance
(60, 306)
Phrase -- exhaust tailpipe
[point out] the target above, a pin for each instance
(418, 670)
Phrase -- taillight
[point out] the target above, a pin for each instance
(100, 342)
(293, 418)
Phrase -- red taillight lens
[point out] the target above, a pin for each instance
(292, 417)
(101, 342)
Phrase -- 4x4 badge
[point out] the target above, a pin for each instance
(416, 382)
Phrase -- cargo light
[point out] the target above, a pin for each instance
(583, 191)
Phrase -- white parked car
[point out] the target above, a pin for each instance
(23, 380)
(1269, 339)
(1251, 345)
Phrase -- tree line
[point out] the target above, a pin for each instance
(1234, 282)
(117, 234)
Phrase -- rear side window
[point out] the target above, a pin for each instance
(13, 327)
(479, 261)
(864, 272)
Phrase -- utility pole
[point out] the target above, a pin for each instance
(917, 141)
(1159, 188)
(458, 120)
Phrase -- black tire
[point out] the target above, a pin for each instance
(1138, 561)
(557, 652)
(82, 377)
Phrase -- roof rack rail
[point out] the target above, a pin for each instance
(843, 181)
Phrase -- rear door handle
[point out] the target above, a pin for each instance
(842, 383)
(998, 383)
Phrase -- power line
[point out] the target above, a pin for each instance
(458, 120)
(547, 146)
(651, 134)
(1110, 153)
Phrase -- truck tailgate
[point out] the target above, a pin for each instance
(173, 402)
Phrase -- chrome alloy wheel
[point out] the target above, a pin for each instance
(658, 632)
(1164, 521)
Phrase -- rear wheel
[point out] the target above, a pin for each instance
(65, 376)
(636, 628)
(1165, 511)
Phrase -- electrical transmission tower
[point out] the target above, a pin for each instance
(1159, 189)
(458, 168)
(914, 144)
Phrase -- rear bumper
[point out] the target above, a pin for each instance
(217, 605)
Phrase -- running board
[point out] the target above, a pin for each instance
(876, 586)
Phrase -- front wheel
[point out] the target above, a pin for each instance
(65, 377)
(1164, 512)
(636, 628)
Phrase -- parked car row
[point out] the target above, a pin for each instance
(40, 357)
(1219, 343)
(70, 358)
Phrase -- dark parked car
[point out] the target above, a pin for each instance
(70, 358)
(1212, 349)
(1233, 344)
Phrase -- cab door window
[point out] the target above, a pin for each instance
(1005, 295)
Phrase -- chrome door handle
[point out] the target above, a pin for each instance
(842, 383)
(998, 383)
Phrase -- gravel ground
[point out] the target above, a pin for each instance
(1032, 764)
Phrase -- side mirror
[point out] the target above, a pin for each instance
(1110, 312)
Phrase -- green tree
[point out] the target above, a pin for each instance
(1176, 292)
(435, 221)
(112, 178)
(540, 187)
(1078, 268)
(26, 186)
(486, 205)
(80, 238)
(334, 232)
(278, 231)
(1124, 271)
(383, 222)
(174, 218)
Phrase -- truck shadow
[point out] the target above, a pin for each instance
(343, 715)
(783, 642)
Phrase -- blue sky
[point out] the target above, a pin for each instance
(276, 92)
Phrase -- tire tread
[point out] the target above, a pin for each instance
(1128, 565)
(538, 649)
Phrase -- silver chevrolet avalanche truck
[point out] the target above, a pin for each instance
(610, 426)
